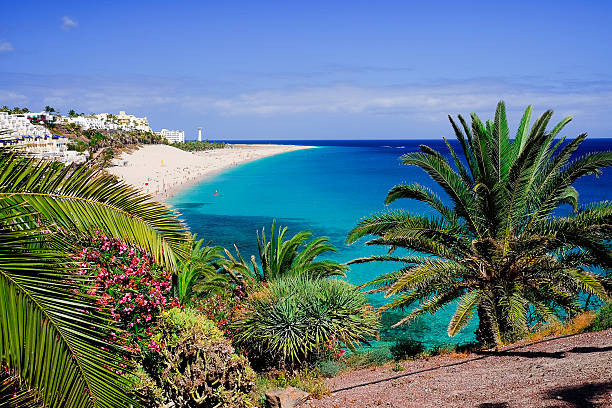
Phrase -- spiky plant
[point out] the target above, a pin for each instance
(52, 341)
(295, 318)
(496, 247)
(295, 256)
(201, 273)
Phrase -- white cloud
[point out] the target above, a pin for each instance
(12, 98)
(5, 46)
(68, 23)
(422, 104)
(424, 101)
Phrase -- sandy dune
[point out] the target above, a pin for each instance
(162, 170)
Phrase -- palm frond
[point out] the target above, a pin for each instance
(423, 194)
(50, 336)
(86, 200)
(432, 305)
(465, 311)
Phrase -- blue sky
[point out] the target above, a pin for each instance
(311, 70)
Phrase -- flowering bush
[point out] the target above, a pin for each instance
(332, 349)
(129, 284)
(222, 308)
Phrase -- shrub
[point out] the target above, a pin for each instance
(375, 357)
(129, 284)
(193, 365)
(577, 324)
(294, 321)
(328, 368)
(222, 308)
(406, 348)
(438, 350)
(603, 318)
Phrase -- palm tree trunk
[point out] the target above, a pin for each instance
(485, 334)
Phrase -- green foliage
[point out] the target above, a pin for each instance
(201, 274)
(193, 366)
(495, 246)
(77, 145)
(282, 257)
(175, 323)
(82, 200)
(406, 348)
(96, 138)
(328, 368)
(295, 256)
(13, 393)
(52, 337)
(16, 110)
(372, 358)
(197, 146)
(107, 155)
(603, 319)
(294, 319)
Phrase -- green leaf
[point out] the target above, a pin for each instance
(465, 311)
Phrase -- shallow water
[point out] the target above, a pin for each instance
(327, 190)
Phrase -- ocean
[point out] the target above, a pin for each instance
(327, 191)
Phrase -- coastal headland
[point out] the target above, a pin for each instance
(162, 171)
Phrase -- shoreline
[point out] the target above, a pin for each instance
(162, 171)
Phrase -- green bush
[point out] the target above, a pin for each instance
(192, 365)
(328, 368)
(603, 319)
(296, 320)
(406, 348)
(375, 357)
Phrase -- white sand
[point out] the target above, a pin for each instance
(162, 171)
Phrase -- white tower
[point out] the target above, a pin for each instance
(199, 134)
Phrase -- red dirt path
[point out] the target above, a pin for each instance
(565, 372)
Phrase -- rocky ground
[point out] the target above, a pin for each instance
(571, 371)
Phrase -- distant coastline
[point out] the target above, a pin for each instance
(162, 171)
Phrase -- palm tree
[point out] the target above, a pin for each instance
(282, 257)
(201, 273)
(497, 247)
(52, 342)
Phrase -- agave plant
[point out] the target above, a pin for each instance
(52, 336)
(295, 318)
(497, 247)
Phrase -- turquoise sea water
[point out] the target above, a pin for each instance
(327, 190)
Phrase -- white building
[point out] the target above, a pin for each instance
(107, 121)
(133, 121)
(19, 125)
(173, 136)
(52, 147)
(36, 140)
(88, 122)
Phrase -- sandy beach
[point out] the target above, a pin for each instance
(162, 171)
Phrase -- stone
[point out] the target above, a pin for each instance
(289, 397)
